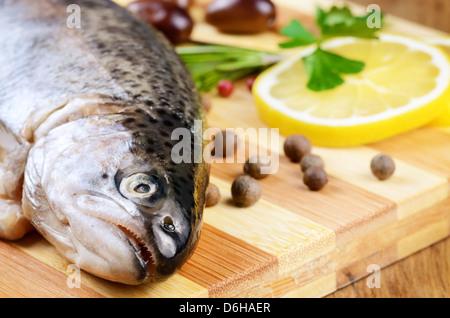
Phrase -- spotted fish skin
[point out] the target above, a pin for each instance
(111, 56)
(115, 77)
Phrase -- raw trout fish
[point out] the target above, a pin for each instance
(86, 118)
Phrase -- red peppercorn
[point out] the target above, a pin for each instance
(250, 82)
(225, 88)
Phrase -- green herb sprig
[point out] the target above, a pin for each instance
(324, 68)
(208, 64)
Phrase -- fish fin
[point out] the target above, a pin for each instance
(13, 158)
(8, 139)
(13, 224)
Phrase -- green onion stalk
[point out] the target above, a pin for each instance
(208, 64)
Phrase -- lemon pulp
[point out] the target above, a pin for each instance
(404, 84)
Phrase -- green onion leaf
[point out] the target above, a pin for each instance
(208, 64)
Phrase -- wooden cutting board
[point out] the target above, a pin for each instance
(293, 242)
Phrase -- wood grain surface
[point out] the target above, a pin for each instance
(425, 274)
(293, 242)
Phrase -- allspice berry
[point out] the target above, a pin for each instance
(311, 160)
(296, 146)
(315, 178)
(257, 167)
(245, 191)
(382, 166)
(212, 195)
(225, 143)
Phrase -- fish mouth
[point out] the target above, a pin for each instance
(141, 250)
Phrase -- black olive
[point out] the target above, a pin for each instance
(169, 18)
(241, 16)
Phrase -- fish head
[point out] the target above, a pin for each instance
(105, 192)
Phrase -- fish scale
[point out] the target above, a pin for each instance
(91, 111)
(104, 49)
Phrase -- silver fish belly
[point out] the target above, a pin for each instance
(86, 119)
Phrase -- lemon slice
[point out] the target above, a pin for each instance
(444, 43)
(405, 84)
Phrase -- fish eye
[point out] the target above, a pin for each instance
(168, 224)
(140, 185)
(141, 188)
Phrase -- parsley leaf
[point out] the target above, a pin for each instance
(323, 69)
(298, 34)
(341, 22)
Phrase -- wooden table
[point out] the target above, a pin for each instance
(425, 274)
(401, 279)
(432, 13)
